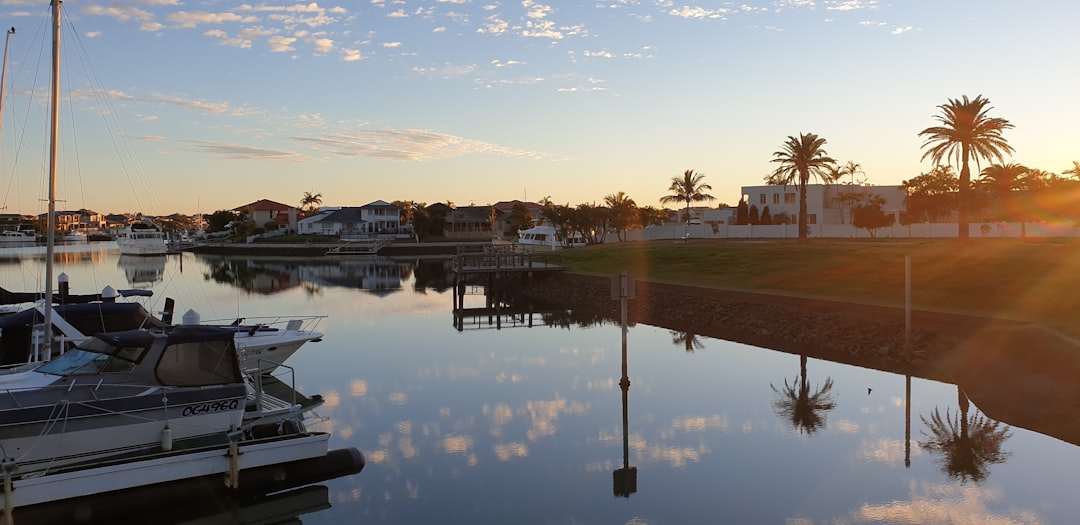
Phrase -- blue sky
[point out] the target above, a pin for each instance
(214, 104)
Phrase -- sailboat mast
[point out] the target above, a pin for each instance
(50, 232)
(3, 72)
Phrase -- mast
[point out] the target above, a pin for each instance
(50, 233)
(3, 72)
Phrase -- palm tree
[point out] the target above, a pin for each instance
(801, 409)
(624, 214)
(799, 159)
(969, 445)
(852, 168)
(965, 132)
(688, 188)
(1003, 182)
(310, 201)
(1074, 171)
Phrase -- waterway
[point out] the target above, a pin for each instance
(518, 421)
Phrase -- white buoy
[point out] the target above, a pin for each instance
(191, 317)
(166, 439)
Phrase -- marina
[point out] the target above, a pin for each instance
(495, 426)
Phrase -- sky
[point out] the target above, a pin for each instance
(196, 106)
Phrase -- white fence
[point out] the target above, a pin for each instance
(847, 231)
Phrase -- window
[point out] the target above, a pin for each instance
(789, 198)
(776, 198)
(762, 199)
(811, 218)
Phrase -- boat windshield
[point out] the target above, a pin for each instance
(93, 357)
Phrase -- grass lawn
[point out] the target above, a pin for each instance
(1035, 280)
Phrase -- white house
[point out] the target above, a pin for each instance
(825, 203)
(377, 217)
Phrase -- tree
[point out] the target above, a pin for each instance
(852, 168)
(310, 202)
(754, 216)
(1002, 182)
(219, 220)
(687, 340)
(1074, 171)
(766, 217)
(624, 214)
(966, 131)
(650, 216)
(688, 188)
(868, 215)
(520, 218)
(931, 195)
(800, 158)
(742, 213)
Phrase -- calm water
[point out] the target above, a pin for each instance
(525, 425)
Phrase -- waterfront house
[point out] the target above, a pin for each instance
(263, 211)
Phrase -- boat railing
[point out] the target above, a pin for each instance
(270, 325)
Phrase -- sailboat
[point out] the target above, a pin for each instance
(139, 407)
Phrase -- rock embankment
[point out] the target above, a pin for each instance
(865, 335)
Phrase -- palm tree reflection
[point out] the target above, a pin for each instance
(804, 411)
(687, 340)
(968, 444)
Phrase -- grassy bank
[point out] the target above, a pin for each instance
(1004, 278)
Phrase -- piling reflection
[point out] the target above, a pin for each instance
(968, 443)
(804, 411)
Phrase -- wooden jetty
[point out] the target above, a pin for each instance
(487, 264)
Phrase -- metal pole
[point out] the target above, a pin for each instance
(50, 232)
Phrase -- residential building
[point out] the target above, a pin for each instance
(825, 203)
(263, 211)
(375, 218)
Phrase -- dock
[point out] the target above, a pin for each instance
(488, 264)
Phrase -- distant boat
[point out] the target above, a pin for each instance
(16, 237)
(141, 239)
(548, 238)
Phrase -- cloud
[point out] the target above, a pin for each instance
(494, 25)
(901, 30)
(216, 108)
(323, 46)
(391, 44)
(281, 44)
(850, 5)
(225, 40)
(700, 13)
(599, 54)
(125, 14)
(192, 19)
(93, 34)
(241, 152)
(351, 55)
(410, 145)
(440, 29)
(400, 13)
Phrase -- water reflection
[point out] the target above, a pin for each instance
(373, 274)
(967, 444)
(252, 276)
(687, 340)
(804, 411)
(142, 271)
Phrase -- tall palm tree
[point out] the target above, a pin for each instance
(969, 445)
(852, 168)
(800, 158)
(804, 411)
(966, 131)
(688, 188)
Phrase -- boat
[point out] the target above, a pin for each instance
(139, 407)
(545, 237)
(142, 271)
(141, 239)
(74, 236)
(264, 343)
(16, 238)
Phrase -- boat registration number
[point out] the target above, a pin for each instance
(206, 408)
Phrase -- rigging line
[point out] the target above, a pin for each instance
(104, 99)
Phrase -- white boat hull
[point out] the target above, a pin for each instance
(164, 468)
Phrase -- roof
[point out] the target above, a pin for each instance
(344, 216)
(264, 205)
(464, 214)
(380, 204)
